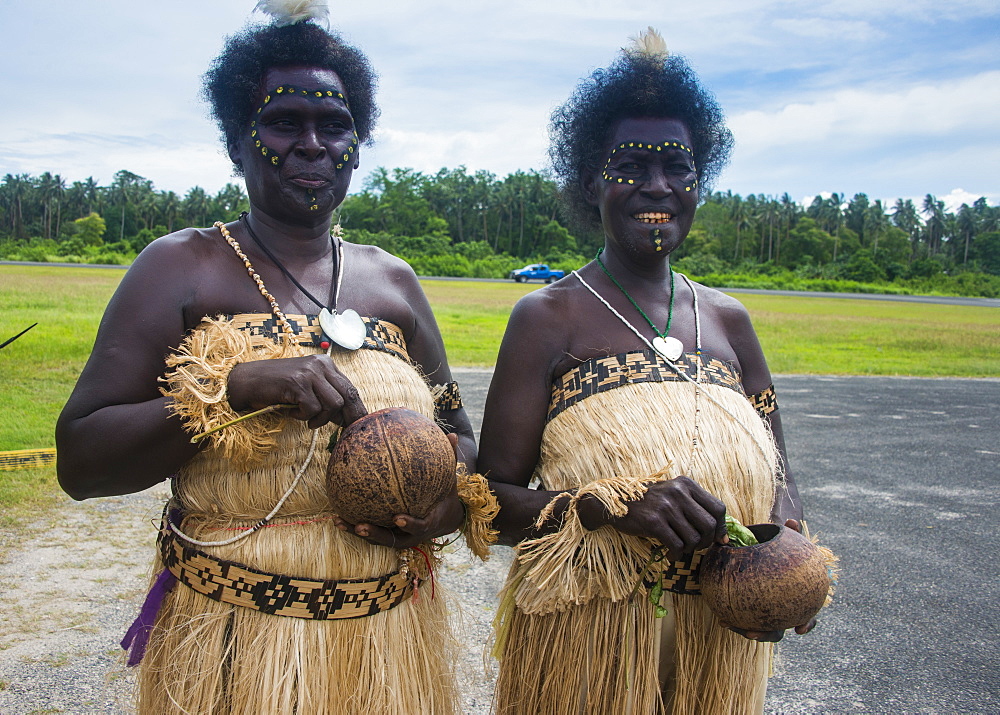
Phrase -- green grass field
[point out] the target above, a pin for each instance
(803, 335)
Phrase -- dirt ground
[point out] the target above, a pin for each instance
(75, 581)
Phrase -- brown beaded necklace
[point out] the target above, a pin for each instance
(275, 308)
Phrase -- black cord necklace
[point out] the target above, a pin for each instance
(347, 329)
(281, 267)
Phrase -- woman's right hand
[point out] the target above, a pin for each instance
(319, 391)
(678, 513)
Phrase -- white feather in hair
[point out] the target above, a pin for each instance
(290, 12)
(649, 42)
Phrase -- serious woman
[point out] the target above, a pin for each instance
(643, 405)
(264, 600)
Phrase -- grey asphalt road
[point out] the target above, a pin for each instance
(899, 477)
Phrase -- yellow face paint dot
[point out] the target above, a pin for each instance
(319, 94)
(267, 99)
(274, 160)
(257, 143)
(340, 166)
(346, 157)
(279, 90)
(350, 149)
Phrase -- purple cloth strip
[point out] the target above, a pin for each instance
(137, 637)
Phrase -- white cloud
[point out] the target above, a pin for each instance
(824, 28)
(852, 119)
(842, 95)
(957, 197)
(920, 139)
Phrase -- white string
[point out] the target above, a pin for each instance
(340, 267)
(263, 522)
(315, 433)
(669, 363)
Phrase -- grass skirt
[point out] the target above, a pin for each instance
(210, 657)
(571, 636)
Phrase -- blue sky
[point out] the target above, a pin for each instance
(893, 99)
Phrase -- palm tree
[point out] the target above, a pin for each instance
(905, 217)
(91, 193)
(15, 187)
(875, 222)
(47, 192)
(967, 225)
(124, 185)
(196, 206)
(933, 209)
(789, 213)
(169, 205)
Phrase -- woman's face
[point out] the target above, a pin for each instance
(300, 150)
(647, 191)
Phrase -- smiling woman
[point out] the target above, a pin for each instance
(276, 332)
(642, 403)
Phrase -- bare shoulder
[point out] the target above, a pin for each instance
(717, 301)
(378, 264)
(723, 309)
(549, 306)
(181, 250)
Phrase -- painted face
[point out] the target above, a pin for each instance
(301, 147)
(647, 191)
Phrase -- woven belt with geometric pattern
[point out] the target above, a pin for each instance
(682, 576)
(280, 595)
(678, 576)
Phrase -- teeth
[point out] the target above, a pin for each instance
(652, 217)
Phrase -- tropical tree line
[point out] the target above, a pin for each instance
(47, 219)
(458, 223)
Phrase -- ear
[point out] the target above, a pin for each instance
(588, 185)
(236, 152)
(357, 157)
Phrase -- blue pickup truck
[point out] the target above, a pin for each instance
(536, 271)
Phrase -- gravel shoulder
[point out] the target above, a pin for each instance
(72, 586)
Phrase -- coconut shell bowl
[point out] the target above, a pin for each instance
(781, 582)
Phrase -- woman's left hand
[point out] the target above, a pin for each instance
(445, 518)
(775, 636)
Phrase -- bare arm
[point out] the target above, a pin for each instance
(757, 377)
(787, 508)
(115, 435)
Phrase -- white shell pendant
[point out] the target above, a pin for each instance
(347, 329)
(670, 348)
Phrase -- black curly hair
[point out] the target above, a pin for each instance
(232, 83)
(635, 85)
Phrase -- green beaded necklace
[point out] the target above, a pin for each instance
(670, 348)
